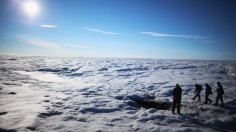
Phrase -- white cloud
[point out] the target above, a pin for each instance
(38, 42)
(173, 35)
(101, 31)
(48, 26)
(77, 46)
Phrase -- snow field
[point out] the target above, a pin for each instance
(98, 94)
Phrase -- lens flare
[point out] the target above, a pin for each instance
(31, 8)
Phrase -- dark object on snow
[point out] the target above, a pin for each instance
(207, 93)
(3, 113)
(12, 93)
(177, 92)
(7, 130)
(197, 91)
(32, 128)
(153, 104)
(220, 92)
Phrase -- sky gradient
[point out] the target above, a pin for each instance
(163, 29)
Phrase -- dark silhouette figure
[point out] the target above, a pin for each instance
(197, 91)
(207, 93)
(177, 91)
(220, 92)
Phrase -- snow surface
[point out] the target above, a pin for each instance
(98, 94)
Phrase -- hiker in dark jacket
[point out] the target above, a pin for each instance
(197, 91)
(177, 91)
(220, 92)
(207, 93)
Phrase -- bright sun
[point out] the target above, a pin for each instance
(31, 8)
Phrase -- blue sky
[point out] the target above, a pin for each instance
(164, 29)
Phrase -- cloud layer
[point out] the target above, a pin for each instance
(38, 42)
(101, 31)
(173, 35)
(77, 46)
(48, 26)
(47, 44)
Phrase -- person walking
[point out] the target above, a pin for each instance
(207, 93)
(197, 91)
(220, 92)
(177, 93)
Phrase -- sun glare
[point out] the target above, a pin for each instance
(31, 8)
